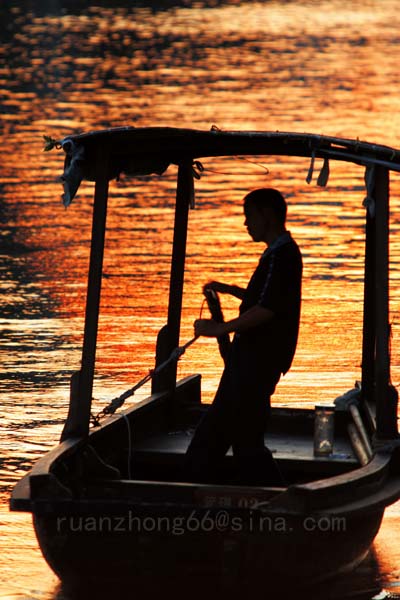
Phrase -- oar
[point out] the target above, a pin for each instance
(214, 306)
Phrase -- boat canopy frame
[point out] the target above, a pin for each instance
(101, 156)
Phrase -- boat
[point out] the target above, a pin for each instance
(110, 507)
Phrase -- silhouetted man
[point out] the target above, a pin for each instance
(263, 346)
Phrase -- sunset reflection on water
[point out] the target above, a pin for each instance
(323, 67)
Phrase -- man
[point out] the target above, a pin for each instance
(263, 346)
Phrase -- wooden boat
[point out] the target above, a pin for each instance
(111, 508)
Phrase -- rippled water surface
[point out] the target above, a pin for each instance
(323, 67)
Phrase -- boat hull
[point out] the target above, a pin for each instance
(228, 548)
(96, 525)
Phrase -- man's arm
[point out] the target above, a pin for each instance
(224, 288)
(255, 316)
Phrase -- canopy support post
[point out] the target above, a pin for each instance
(78, 421)
(369, 328)
(168, 338)
(385, 394)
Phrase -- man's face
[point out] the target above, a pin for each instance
(257, 223)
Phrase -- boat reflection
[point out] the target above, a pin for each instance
(363, 584)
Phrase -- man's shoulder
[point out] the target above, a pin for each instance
(288, 247)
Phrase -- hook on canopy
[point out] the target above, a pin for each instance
(311, 168)
(323, 174)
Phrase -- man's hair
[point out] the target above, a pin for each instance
(268, 197)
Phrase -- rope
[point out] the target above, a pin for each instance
(128, 425)
(119, 400)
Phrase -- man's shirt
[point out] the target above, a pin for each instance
(276, 285)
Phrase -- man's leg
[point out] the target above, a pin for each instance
(254, 385)
(213, 436)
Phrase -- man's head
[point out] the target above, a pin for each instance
(265, 211)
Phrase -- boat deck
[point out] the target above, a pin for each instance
(292, 450)
(288, 447)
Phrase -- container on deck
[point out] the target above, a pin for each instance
(324, 430)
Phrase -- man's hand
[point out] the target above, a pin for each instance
(225, 288)
(217, 286)
(208, 328)
(253, 317)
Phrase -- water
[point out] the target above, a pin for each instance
(66, 67)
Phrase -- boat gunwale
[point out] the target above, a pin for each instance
(287, 500)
